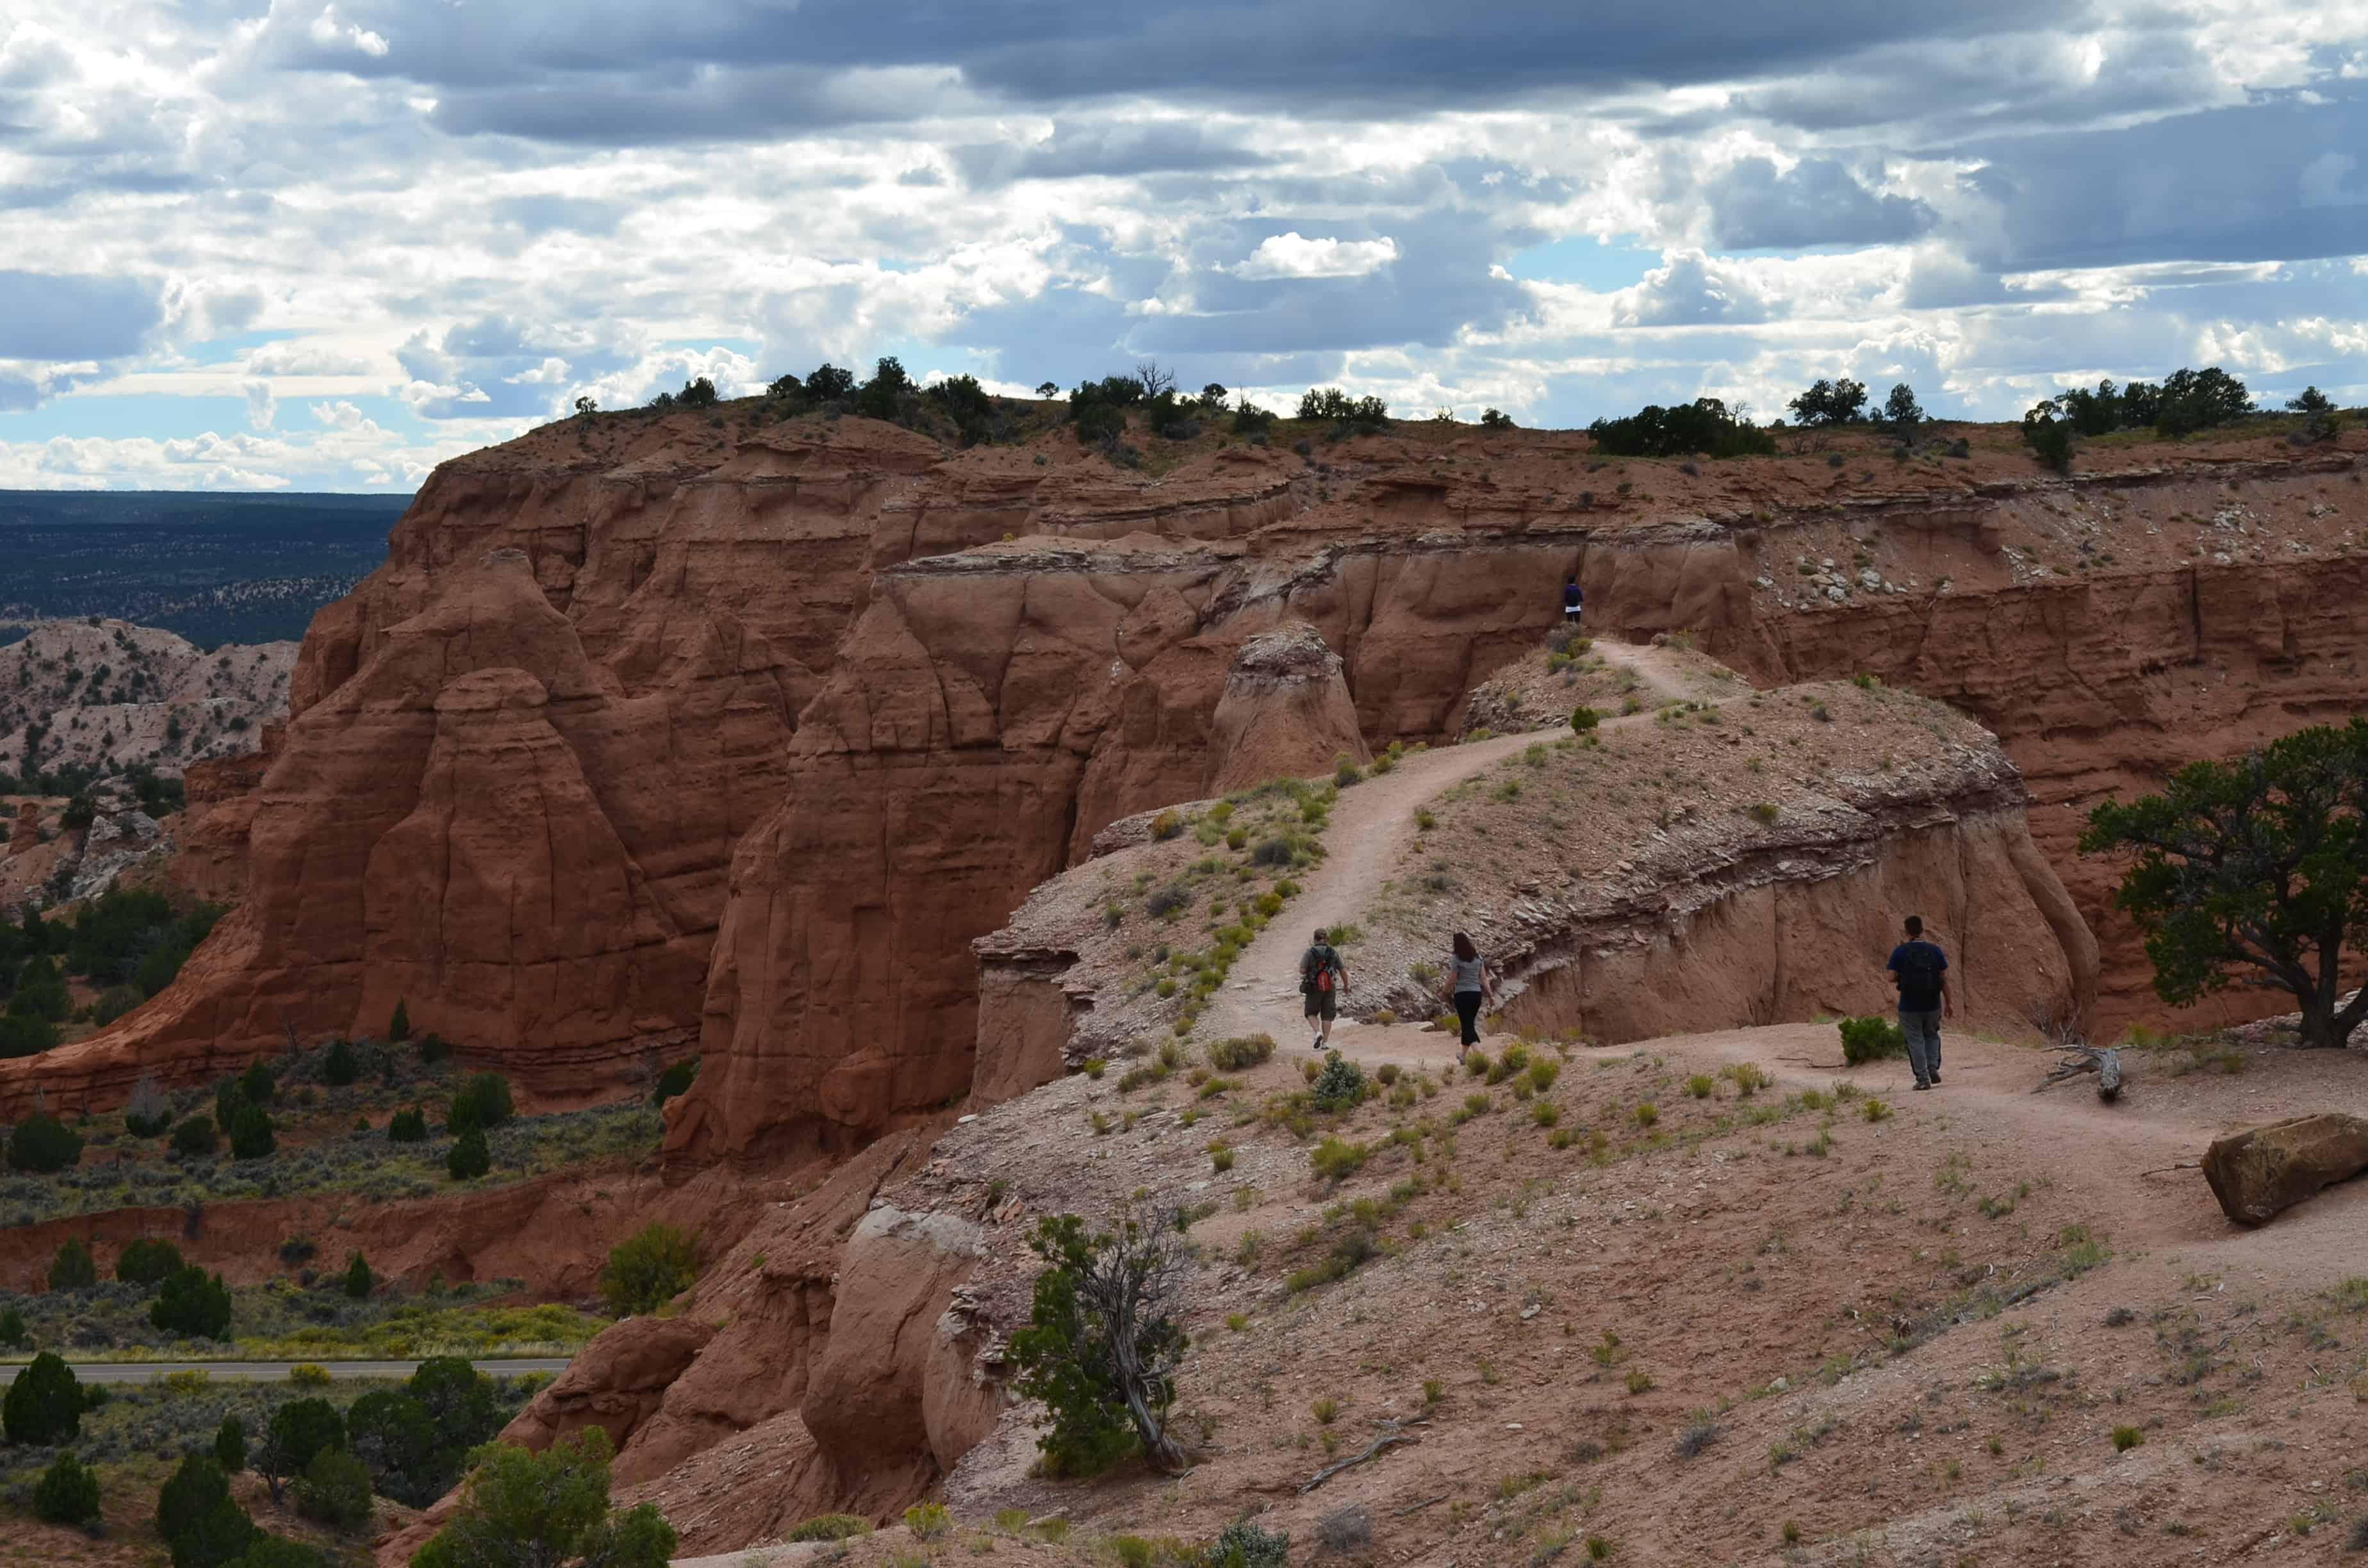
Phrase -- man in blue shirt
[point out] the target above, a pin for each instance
(1920, 969)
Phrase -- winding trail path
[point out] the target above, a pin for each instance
(1371, 826)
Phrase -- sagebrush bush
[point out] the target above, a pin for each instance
(1241, 1051)
(1871, 1040)
(195, 1138)
(830, 1527)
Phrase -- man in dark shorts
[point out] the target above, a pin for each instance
(1321, 976)
(1920, 969)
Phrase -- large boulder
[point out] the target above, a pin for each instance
(2261, 1172)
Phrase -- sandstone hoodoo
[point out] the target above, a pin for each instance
(1285, 714)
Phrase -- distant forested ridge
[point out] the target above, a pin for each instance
(213, 568)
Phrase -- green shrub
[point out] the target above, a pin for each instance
(359, 1281)
(68, 1494)
(192, 1304)
(229, 1445)
(928, 1520)
(398, 1028)
(113, 1003)
(1584, 719)
(408, 1126)
(42, 1143)
(1243, 1544)
(482, 1104)
(519, 1507)
(297, 1432)
(1871, 1040)
(197, 1518)
(1241, 1051)
(338, 1066)
(1340, 1086)
(252, 1136)
(1335, 1159)
(258, 1084)
(72, 1268)
(677, 1077)
(2126, 1437)
(335, 1489)
(12, 1328)
(194, 1137)
(648, 1270)
(469, 1158)
(43, 1406)
(148, 1261)
(830, 1527)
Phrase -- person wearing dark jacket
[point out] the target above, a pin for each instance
(1574, 601)
(1920, 969)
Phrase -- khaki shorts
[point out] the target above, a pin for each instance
(1324, 1005)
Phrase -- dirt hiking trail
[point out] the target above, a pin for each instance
(1371, 826)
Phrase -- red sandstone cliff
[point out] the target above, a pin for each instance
(822, 700)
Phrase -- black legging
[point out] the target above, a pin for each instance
(1467, 1011)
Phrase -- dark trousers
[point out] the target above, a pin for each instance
(1467, 1012)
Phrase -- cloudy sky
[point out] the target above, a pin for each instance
(289, 243)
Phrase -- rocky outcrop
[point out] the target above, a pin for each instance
(431, 832)
(826, 1365)
(107, 695)
(614, 1383)
(25, 830)
(220, 796)
(1285, 714)
(2263, 1171)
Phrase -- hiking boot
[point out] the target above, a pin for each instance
(1936, 1079)
(1921, 1087)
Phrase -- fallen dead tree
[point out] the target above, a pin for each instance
(2078, 1061)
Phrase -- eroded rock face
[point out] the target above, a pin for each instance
(1285, 714)
(480, 822)
(614, 1384)
(2263, 1171)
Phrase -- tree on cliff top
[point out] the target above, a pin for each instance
(2252, 872)
(1103, 1343)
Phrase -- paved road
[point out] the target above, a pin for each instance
(142, 1372)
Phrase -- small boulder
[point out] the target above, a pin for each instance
(2263, 1171)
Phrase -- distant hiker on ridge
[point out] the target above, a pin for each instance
(1469, 984)
(1574, 601)
(1920, 969)
(1321, 976)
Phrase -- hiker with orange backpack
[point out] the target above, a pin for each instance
(1321, 977)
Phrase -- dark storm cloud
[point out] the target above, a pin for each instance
(1816, 202)
(52, 317)
(621, 72)
(2278, 180)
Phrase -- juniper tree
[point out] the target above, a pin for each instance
(2252, 872)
